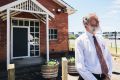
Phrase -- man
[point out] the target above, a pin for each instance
(93, 60)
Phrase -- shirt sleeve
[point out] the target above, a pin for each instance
(109, 59)
(80, 63)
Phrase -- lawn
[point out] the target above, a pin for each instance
(112, 49)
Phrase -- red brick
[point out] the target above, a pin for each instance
(60, 22)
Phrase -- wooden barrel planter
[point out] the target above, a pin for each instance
(71, 68)
(49, 71)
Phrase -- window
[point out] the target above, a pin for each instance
(34, 40)
(15, 22)
(53, 34)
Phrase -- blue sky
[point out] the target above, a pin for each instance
(108, 12)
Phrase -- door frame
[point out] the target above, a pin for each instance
(28, 27)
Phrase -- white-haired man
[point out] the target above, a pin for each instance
(93, 60)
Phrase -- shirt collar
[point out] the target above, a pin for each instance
(90, 35)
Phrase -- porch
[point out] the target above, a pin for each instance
(28, 69)
(7, 13)
(26, 62)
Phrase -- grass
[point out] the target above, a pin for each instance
(111, 49)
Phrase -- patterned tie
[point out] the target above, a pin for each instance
(104, 67)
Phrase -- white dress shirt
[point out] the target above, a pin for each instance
(86, 59)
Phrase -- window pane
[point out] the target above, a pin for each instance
(31, 37)
(36, 41)
(52, 31)
(36, 29)
(37, 35)
(52, 36)
(49, 31)
(31, 29)
(55, 36)
(26, 23)
(31, 53)
(31, 47)
(36, 23)
(49, 36)
(31, 23)
(20, 22)
(55, 31)
(36, 47)
(36, 53)
(15, 22)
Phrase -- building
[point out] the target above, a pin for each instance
(71, 33)
(31, 28)
(111, 35)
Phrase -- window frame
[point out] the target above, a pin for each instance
(53, 34)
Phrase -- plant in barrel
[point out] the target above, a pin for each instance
(50, 69)
(71, 66)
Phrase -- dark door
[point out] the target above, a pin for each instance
(20, 42)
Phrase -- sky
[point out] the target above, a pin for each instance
(108, 12)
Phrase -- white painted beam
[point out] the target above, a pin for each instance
(16, 13)
(37, 12)
(3, 13)
(8, 37)
(47, 36)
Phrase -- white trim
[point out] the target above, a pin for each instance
(62, 3)
(41, 6)
(70, 10)
(8, 37)
(13, 4)
(28, 11)
(18, 18)
(53, 33)
(12, 42)
(3, 13)
(47, 36)
(12, 14)
(24, 19)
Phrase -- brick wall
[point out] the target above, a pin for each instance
(2, 40)
(60, 23)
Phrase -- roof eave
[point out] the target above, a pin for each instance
(70, 9)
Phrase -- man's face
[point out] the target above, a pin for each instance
(93, 25)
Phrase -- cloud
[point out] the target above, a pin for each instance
(116, 2)
(115, 8)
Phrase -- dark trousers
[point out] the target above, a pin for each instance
(103, 77)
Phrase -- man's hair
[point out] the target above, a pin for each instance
(86, 19)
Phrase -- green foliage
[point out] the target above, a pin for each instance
(52, 62)
(71, 60)
(72, 36)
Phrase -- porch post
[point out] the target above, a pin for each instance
(8, 37)
(47, 36)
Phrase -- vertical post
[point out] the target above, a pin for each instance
(8, 37)
(11, 72)
(116, 42)
(64, 69)
(47, 36)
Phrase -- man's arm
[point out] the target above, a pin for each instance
(109, 59)
(79, 62)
